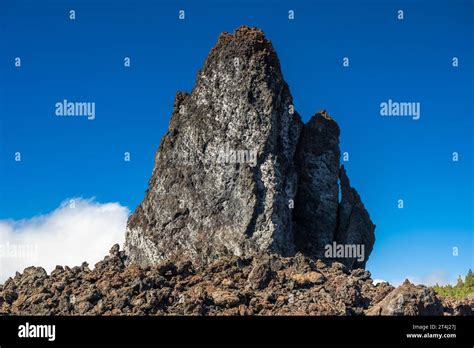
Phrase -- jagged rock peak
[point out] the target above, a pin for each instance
(236, 160)
(355, 226)
(246, 40)
(247, 46)
(224, 172)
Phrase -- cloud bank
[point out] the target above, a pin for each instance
(378, 281)
(440, 277)
(78, 230)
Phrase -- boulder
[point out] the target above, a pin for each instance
(409, 299)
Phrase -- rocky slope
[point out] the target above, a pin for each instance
(238, 173)
(259, 285)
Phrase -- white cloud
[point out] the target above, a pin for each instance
(436, 277)
(78, 230)
(440, 277)
(378, 281)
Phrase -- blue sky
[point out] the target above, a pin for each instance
(390, 158)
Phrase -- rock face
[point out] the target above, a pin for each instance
(354, 226)
(224, 171)
(316, 207)
(236, 160)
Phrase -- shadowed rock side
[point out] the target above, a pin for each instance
(316, 205)
(355, 226)
(228, 169)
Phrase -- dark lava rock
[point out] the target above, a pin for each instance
(232, 166)
(355, 226)
(260, 274)
(316, 206)
(278, 286)
(409, 299)
(10, 296)
(224, 172)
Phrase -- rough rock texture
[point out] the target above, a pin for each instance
(409, 299)
(232, 285)
(453, 306)
(354, 225)
(316, 205)
(233, 164)
(201, 203)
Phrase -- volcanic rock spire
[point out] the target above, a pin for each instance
(206, 197)
(317, 160)
(355, 226)
(232, 165)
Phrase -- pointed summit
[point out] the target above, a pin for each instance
(232, 174)
(224, 172)
(248, 46)
(245, 40)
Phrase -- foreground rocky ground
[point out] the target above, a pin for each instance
(263, 285)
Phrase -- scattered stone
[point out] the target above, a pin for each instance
(310, 278)
(114, 251)
(260, 274)
(259, 285)
(225, 298)
(409, 299)
(10, 296)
